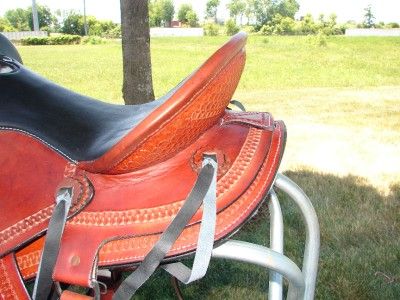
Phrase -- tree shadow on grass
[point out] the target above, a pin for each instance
(360, 245)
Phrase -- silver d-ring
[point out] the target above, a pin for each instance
(99, 288)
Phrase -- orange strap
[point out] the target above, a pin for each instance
(11, 285)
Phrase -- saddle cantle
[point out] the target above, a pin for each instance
(130, 168)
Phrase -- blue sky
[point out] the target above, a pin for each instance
(384, 10)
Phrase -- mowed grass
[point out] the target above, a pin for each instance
(272, 63)
(341, 104)
(348, 92)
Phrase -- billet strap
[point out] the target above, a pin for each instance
(44, 282)
(238, 104)
(204, 190)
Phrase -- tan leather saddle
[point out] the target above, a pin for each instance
(119, 176)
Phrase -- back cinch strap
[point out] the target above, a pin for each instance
(44, 282)
(204, 190)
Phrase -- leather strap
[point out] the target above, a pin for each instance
(11, 285)
(203, 190)
(44, 281)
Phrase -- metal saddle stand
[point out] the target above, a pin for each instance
(302, 280)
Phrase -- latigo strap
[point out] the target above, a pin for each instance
(44, 281)
(204, 191)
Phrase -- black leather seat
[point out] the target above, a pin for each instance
(8, 49)
(79, 127)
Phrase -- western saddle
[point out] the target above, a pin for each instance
(86, 185)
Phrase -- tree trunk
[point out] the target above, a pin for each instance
(138, 85)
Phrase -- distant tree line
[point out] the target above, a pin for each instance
(21, 19)
(162, 12)
(67, 22)
(267, 17)
(277, 17)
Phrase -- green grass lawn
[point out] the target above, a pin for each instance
(272, 63)
(341, 104)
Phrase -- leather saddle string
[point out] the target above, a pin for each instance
(204, 190)
(44, 281)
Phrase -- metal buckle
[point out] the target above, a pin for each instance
(99, 288)
(96, 286)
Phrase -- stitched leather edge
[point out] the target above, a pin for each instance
(155, 214)
(7, 290)
(129, 241)
(28, 223)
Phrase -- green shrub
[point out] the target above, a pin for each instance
(341, 29)
(192, 18)
(380, 25)
(392, 25)
(35, 41)
(102, 28)
(93, 40)
(284, 25)
(266, 30)
(231, 28)
(53, 40)
(249, 29)
(211, 29)
(5, 25)
(47, 29)
(280, 26)
(307, 26)
(114, 33)
(65, 40)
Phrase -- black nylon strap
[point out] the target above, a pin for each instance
(44, 281)
(153, 259)
(205, 239)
